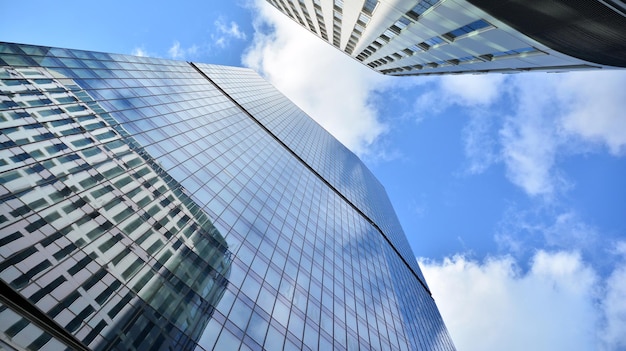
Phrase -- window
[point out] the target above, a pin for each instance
(468, 28)
(370, 6)
(427, 44)
(422, 7)
(434, 41)
(402, 22)
(513, 52)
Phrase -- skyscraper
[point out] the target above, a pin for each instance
(157, 204)
(420, 37)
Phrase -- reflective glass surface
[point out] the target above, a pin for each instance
(157, 204)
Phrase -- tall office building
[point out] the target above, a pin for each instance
(420, 37)
(150, 204)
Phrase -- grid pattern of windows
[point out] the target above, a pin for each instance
(93, 232)
(317, 5)
(421, 7)
(307, 16)
(305, 248)
(337, 20)
(499, 55)
(333, 161)
(475, 26)
(422, 37)
(433, 42)
(437, 41)
(359, 27)
(396, 28)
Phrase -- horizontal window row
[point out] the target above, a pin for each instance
(397, 27)
(510, 54)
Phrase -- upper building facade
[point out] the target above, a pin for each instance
(150, 204)
(421, 37)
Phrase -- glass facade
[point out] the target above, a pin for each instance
(157, 204)
(424, 37)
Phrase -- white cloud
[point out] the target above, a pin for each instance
(175, 51)
(232, 29)
(614, 308)
(468, 90)
(552, 115)
(332, 88)
(476, 94)
(530, 136)
(526, 140)
(226, 31)
(480, 146)
(594, 106)
(472, 90)
(193, 50)
(569, 230)
(139, 51)
(555, 228)
(540, 117)
(492, 306)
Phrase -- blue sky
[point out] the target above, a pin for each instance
(510, 188)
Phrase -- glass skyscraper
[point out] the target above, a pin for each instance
(421, 37)
(151, 204)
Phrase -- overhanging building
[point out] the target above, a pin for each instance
(420, 37)
(150, 204)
